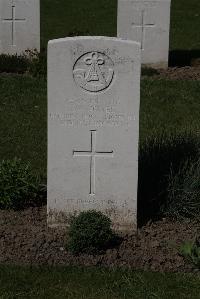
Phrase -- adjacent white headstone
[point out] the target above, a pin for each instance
(93, 126)
(148, 22)
(19, 26)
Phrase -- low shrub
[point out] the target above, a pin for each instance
(31, 62)
(14, 64)
(19, 188)
(190, 250)
(90, 232)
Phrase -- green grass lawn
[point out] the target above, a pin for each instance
(185, 19)
(94, 283)
(23, 120)
(166, 107)
(169, 107)
(99, 17)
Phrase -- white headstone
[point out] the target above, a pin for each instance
(148, 22)
(93, 127)
(19, 26)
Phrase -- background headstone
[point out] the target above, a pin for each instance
(148, 22)
(19, 26)
(93, 105)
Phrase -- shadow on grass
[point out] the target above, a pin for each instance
(182, 58)
(157, 158)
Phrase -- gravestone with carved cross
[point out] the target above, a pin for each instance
(93, 125)
(146, 21)
(92, 154)
(19, 26)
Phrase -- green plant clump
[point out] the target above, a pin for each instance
(184, 192)
(191, 252)
(18, 187)
(90, 232)
(14, 64)
(167, 186)
(30, 62)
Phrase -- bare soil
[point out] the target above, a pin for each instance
(25, 239)
(179, 73)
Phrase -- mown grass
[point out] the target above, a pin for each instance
(169, 107)
(62, 18)
(23, 119)
(169, 131)
(59, 18)
(185, 19)
(166, 107)
(90, 283)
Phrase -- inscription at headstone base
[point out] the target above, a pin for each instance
(93, 128)
(19, 26)
(148, 22)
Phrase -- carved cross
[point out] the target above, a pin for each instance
(143, 25)
(93, 154)
(13, 20)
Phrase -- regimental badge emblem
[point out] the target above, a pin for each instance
(94, 71)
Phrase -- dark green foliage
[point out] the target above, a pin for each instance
(14, 64)
(184, 192)
(18, 187)
(90, 232)
(31, 62)
(158, 157)
(191, 251)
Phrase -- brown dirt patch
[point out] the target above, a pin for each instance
(25, 239)
(178, 73)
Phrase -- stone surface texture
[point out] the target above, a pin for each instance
(93, 128)
(19, 26)
(147, 22)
